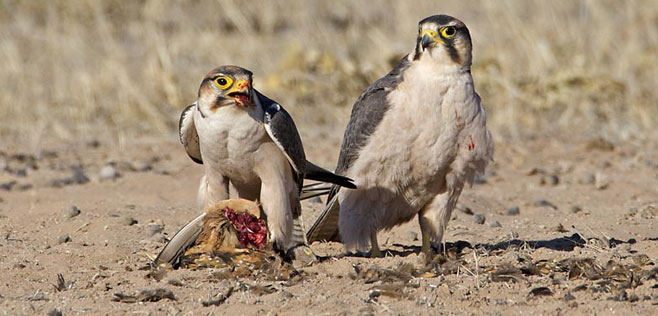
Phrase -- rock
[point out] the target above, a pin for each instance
(601, 181)
(22, 172)
(495, 224)
(465, 209)
(7, 186)
(71, 211)
(479, 219)
(412, 235)
(62, 239)
(154, 229)
(513, 211)
(159, 238)
(142, 166)
(54, 312)
(549, 180)
(587, 178)
(128, 221)
(316, 199)
(79, 176)
(108, 172)
(576, 209)
(542, 203)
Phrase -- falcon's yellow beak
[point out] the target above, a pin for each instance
(240, 92)
(429, 38)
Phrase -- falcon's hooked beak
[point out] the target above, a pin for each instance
(240, 93)
(429, 38)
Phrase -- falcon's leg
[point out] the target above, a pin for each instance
(374, 246)
(434, 216)
(212, 190)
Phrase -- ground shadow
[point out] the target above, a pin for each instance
(566, 243)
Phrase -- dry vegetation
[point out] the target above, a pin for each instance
(115, 69)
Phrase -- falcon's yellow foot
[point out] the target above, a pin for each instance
(302, 256)
(374, 247)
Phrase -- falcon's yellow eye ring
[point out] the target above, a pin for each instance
(448, 31)
(223, 82)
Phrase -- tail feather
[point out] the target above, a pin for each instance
(314, 189)
(317, 173)
(183, 240)
(325, 227)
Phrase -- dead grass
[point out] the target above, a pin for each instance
(114, 69)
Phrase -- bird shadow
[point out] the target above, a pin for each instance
(566, 243)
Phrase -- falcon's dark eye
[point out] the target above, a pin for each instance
(221, 81)
(448, 31)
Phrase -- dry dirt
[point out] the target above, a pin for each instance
(584, 241)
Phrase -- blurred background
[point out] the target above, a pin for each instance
(123, 70)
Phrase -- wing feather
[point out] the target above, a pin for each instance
(282, 130)
(367, 113)
(188, 134)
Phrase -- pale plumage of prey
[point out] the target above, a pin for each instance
(249, 143)
(414, 138)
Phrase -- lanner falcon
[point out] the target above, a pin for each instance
(414, 138)
(249, 143)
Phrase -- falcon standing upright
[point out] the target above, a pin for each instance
(249, 143)
(414, 138)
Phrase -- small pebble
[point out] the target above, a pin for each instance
(154, 229)
(128, 221)
(7, 186)
(601, 182)
(549, 180)
(108, 172)
(21, 172)
(542, 203)
(412, 235)
(62, 239)
(588, 178)
(495, 224)
(79, 176)
(316, 199)
(159, 238)
(142, 166)
(513, 211)
(479, 219)
(54, 312)
(71, 211)
(576, 209)
(465, 209)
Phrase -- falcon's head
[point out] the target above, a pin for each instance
(444, 39)
(226, 86)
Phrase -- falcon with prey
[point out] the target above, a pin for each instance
(414, 138)
(249, 143)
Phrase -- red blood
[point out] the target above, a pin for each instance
(251, 231)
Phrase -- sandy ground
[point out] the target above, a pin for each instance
(583, 242)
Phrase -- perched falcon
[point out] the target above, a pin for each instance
(249, 143)
(414, 138)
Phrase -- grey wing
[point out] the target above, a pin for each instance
(367, 113)
(188, 134)
(282, 130)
